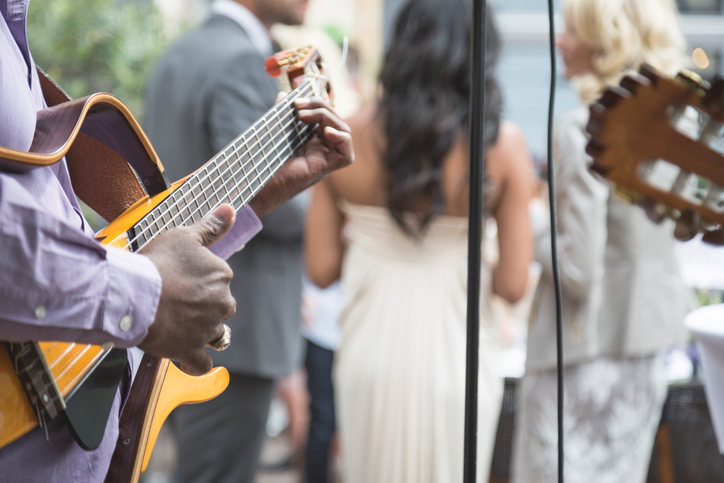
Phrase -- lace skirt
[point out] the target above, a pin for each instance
(612, 409)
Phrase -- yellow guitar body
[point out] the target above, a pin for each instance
(69, 362)
(173, 390)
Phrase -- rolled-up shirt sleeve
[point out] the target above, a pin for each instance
(246, 226)
(57, 283)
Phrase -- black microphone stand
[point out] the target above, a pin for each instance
(475, 233)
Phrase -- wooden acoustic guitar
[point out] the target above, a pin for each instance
(659, 141)
(42, 380)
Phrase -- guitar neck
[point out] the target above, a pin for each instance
(235, 175)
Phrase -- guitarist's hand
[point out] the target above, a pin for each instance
(329, 149)
(195, 295)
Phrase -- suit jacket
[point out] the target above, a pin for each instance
(209, 87)
(623, 295)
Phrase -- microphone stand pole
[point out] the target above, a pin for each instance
(475, 230)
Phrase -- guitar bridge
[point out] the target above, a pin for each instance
(37, 381)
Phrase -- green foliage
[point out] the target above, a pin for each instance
(90, 46)
(709, 296)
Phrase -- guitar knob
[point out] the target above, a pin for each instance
(715, 237)
(687, 225)
(654, 210)
(714, 97)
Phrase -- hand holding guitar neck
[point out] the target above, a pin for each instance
(329, 149)
(660, 142)
(195, 294)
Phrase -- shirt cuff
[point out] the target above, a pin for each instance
(246, 226)
(134, 290)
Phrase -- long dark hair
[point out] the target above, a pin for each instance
(425, 103)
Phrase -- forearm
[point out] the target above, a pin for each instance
(56, 283)
(323, 238)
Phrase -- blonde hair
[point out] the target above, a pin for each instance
(624, 34)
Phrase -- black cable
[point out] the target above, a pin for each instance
(475, 230)
(554, 239)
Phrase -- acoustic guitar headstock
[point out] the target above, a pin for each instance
(660, 141)
(298, 64)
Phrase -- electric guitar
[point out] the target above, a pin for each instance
(659, 141)
(43, 380)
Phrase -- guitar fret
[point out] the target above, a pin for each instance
(235, 174)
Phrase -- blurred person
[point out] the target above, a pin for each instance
(209, 87)
(399, 375)
(623, 298)
(291, 391)
(321, 331)
(58, 283)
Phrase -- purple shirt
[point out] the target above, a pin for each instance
(56, 282)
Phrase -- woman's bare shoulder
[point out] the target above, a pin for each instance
(363, 120)
(510, 152)
(361, 182)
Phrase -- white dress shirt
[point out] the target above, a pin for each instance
(249, 22)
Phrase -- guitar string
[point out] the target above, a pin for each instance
(200, 180)
(207, 172)
(245, 187)
(304, 135)
(242, 185)
(301, 90)
(300, 134)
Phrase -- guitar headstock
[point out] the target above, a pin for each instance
(660, 141)
(298, 64)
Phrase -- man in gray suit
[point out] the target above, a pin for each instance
(207, 89)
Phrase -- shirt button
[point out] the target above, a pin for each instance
(40, 312)
(125, 323)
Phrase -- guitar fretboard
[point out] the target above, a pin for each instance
(235, 175)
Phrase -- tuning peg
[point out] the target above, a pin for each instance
(274, 63)
(650, 73)
(596, 120)
(612, 95)
(595, 150)
(714, 97)
(715, 236)
(687, 225)
(632, 82)
(655, 211)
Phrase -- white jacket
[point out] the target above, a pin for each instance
(622, 291)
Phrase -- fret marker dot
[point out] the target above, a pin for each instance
(125, 323)
(40, 312)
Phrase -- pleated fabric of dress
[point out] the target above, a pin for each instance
(400, 371)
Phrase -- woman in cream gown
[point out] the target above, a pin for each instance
(394, 227)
